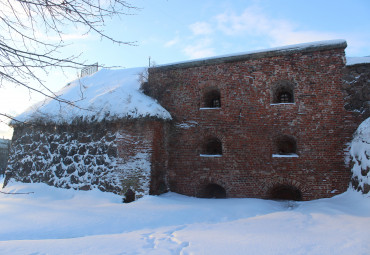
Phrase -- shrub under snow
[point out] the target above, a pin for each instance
(360, 153)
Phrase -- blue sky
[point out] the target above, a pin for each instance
(177, 30)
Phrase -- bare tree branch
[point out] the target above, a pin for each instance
(23, 53)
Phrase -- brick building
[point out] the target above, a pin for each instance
(267, 124)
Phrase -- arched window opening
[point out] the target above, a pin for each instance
(129, 196)
(285, 192)
(212, 99)
(213, 146)
(283, 93)
(213, 191)
(286, 145)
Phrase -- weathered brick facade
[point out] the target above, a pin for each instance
(250, 123)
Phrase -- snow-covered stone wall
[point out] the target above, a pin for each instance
(112, 157)
(360, 153)
(357, 88)
(4, 152)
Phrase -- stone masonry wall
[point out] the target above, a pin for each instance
(4, 153)
(248, 124)
(112, 157)
(357, 89)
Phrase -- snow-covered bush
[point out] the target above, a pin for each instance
(360, 153)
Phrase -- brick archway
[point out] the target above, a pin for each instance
(212, 190)
(285, 192)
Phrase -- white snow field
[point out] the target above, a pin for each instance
(60, 221)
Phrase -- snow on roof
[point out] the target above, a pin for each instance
(357, 60)
(107, 94)
(310, 46)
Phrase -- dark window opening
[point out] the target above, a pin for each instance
(129, 196)
(213, 147)
(286, 145)
(212, 99)
(283, 92)
(213, 191)
(285, 192)
(216, 103)
(285, 97)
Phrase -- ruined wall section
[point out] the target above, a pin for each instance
(113, 157)
(249, 123)
(356, 86)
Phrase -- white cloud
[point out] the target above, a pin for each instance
(253, 22)
(259, 30)
(172, 42)
(250, 21)
(200, 49)
(201, 28)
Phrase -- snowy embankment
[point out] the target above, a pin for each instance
(59, 221)
(360, 153)
(106, 95)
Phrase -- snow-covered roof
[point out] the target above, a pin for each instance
(289, 49)
(351, 61)
(107, 94)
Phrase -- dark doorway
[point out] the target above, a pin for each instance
(214, 191)
(129, 196)
(285, 192)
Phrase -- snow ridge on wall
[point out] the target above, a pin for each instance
(360, 153)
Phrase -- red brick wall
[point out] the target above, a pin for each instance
(248, 124)
(143, 136)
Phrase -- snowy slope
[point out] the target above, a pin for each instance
(360, 153)
(59, 221)
(107, 94)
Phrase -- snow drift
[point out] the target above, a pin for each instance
(47, 220)
(360, 153)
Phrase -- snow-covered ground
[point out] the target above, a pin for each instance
(59, 221)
